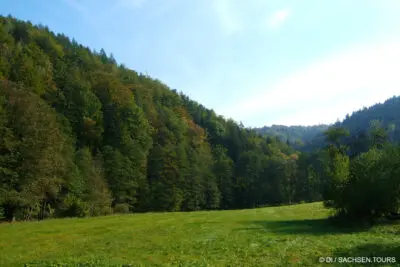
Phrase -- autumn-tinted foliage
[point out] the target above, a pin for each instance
(82, 135)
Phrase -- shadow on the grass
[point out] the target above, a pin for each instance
(387, 254)
(305, 227)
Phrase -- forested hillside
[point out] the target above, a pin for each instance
(309, 138)
(385, 115)
(82, 135)
(387, 112)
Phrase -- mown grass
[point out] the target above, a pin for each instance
(277, 236)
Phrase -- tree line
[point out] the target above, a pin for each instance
(81, 135)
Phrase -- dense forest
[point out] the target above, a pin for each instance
(81, 135)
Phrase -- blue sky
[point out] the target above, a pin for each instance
(261, 62)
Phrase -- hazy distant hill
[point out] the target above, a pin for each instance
(387, 112)
(308, 138)
(294, 134)
(358, 124)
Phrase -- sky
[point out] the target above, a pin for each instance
(261, 62)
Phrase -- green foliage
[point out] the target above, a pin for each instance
(120, 176)
(374, 186)
(81, 135)
(383, 115)
(121, 208)
(74, 207)
(378, 134)
(95, 188)
(334, 136)
(223, 169)
(2, 213)
(367, 187)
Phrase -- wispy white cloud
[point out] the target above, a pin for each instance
(227, 16)
(328, 89)
(278, 18)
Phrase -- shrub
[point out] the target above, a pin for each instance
(121, 208)
(2, 215)
(373, 188)
(74, 207)
(99, 208)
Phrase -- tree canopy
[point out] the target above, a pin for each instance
(81, 135)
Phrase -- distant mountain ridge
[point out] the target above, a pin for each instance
(293, 134)
(387, 112)
(308, 138)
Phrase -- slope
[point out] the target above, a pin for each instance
(385, 115)
(85, 136)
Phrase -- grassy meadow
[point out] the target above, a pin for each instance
(276, 236)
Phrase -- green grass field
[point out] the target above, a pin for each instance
(276, 236)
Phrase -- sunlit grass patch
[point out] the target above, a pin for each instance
(274, 236)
